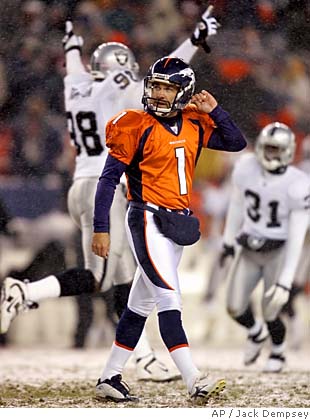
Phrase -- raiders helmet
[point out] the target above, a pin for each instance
(112, 56)
(173, 71)
(275, 147)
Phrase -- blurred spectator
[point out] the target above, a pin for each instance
(304, 163)
(163, 21)
(3, 84)
(260, 54)
(36, 143)
(295, 19)
(5, 148)
(297, 84)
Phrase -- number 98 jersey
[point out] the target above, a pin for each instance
(269, 198)
(89, 105)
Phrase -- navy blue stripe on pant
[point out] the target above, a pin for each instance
(136, 225)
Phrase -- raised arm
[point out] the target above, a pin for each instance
(204, 29)
(72, 45)
(227, 135)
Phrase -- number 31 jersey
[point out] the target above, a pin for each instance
(269, 198)
(89, 105)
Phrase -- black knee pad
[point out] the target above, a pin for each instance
(246, 319)
(85, 318)
(76, 281)
(120, 294)
(277, 331)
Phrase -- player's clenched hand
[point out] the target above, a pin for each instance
(204, 101)
(101, 244)
(71, 41)
(206, 27)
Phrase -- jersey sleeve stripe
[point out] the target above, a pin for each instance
(119, 117)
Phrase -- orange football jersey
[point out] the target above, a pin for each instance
(160, 163)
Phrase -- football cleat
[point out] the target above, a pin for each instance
(114, 389)
(203, 388)
(13, 300)
(275, 363)
(149, 368)
(254, 345)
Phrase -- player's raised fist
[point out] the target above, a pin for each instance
(71, 41)
(204, 101)
(206, 27)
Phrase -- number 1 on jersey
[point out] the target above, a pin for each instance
(180, 156)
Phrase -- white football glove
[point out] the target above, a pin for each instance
(71, 41)
(205, 28)
(279, 296)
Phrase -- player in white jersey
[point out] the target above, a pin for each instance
(91, 99)
(265, 229)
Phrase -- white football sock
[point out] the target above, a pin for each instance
(183, 359)
(116, 362)
(48, 287)
(278, 348)
(256, 328)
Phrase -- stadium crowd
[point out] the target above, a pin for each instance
(257, 68)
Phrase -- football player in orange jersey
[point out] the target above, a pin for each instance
(91, 99)
(158, 149)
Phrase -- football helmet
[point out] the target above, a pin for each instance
(172, 71)
(275, 147)
(111, 56)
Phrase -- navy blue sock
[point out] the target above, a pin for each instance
(171, 329)
(129, 329)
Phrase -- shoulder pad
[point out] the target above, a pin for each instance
(191, 111)
(243, 167)
(247, 158)
(128, 118)
(299, 185)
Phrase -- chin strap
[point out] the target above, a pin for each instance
(278, 171)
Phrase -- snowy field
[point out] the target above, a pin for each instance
(39, 368)
(48, 378)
